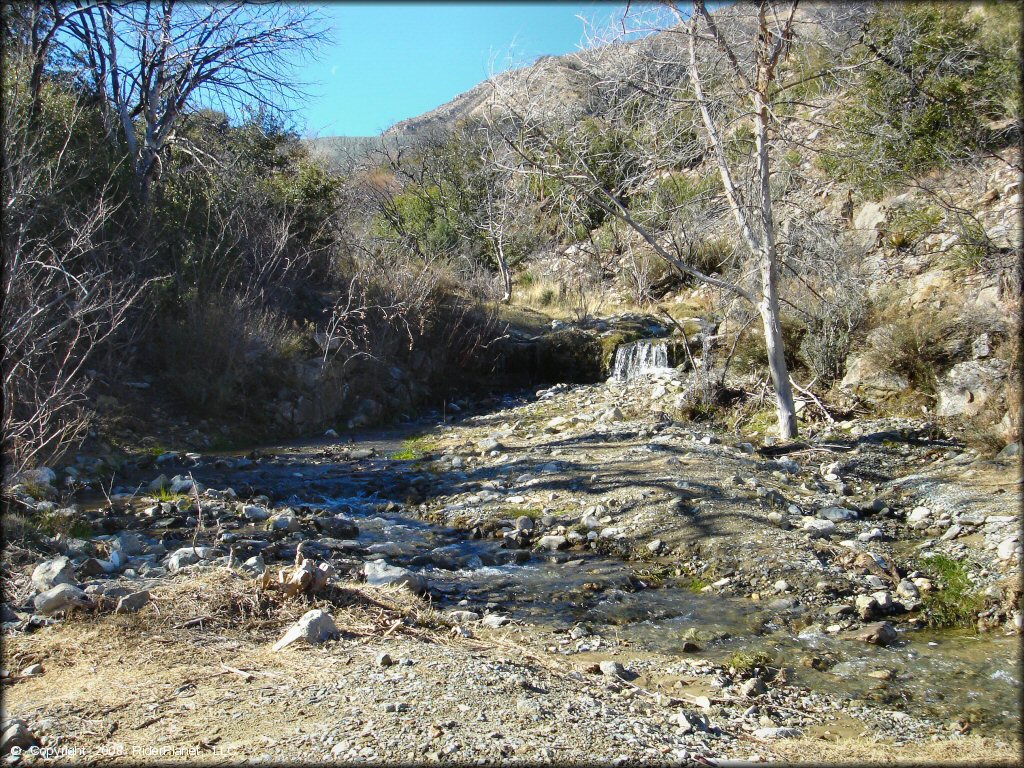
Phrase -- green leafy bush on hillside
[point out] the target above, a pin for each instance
(935, 80)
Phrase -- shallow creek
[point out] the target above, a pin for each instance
(945, 675)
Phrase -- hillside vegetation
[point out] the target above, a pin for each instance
(244, 280)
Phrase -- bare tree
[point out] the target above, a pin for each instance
(696, 86)
(61, 302)
(154, 60)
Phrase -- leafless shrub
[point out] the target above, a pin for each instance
(61, 301)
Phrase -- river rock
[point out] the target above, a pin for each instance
(612, 669)
(128, 543)
(60, 598)
(285, 521)
(187, 556)
(781, 732)
(255, 512)
(612, 415)
(919, 514)
(753, 688)
(184, 484)
(816, 528)
(463, 617)
(867, 607)
(16, 734)
(884, 601)
(379, 574)
(49, 573)
(837, 513)
(552, 543)
(489, 444)
(338, 526)
(879, 633)
(1008, 549)
(524, 523)
(908, 589)
(557, 424)
(133, 603)
(314, 627)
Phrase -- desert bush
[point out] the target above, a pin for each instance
(222, 355)
(64, 297)
(934, 78)
(829, 331)
(908, 226)
(919, 345)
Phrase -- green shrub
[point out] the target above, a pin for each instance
(908, 226)
(934, 78)
(956, 602)
(919, 345)
(746, 661)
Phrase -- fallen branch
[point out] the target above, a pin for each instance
(815, 400)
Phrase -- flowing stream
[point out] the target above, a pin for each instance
(639, 357)
(945, 675)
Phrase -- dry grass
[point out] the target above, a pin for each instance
(216, 687)
(970, 750)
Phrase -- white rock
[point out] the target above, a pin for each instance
(552, 543)
(314, 627)
(1007, 549)
(255, 512)
(819, 528)
(60, 598)
(777, 733)
(187, 556)
(183, 484)
(379, 573)
(918, 514)
(49, 573)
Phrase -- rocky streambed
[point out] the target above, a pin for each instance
(722, 594)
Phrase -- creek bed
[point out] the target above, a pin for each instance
(942, 675)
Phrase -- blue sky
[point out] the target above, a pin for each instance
(391, 61)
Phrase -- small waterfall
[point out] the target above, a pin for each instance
(639, 357)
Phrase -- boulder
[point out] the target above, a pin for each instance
(489, 444)
(552, 543)
(777, 733)
(314, 627)
(187, 556)
(133, 603)
(285, 521)
(880, 633)
(49, 573)
(255, 512)
(379, 574)
(873, 383)
(753, 688)
(59, 599)
(462, 617)
(967, 387)
(612, 669)
(818, 529)
(16, 735)
(836, 514)
(337, 526)
(184, 484)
